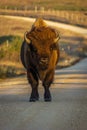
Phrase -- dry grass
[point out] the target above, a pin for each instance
(72, 45)
(10, 28)
(13, 27)
(18, 27)
(48, 4)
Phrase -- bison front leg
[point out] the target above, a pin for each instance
(33, 80)
(47, 83)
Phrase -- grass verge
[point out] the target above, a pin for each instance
(73, 47)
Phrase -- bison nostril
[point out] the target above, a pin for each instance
(44, 60)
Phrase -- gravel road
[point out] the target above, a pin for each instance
(67, 111)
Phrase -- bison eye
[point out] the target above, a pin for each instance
(34, 49)
(53, 47)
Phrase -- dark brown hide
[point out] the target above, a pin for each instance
(39, 55)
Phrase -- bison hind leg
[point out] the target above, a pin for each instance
(33, 80)
(47, 94)
(34, 96)
(47, 83)
(47, 97)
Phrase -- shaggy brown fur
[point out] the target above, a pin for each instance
(42, 34)
(39, 55)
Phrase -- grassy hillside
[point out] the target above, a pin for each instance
(73, 46)
(48, 4)
(11, 37)
(9, 53)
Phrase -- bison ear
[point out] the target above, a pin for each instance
(39, 23)
(57, 36)
(26, 38)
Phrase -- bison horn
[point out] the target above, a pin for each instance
(56, 39)
(26, 39)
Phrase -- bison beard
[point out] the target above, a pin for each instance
(39, 55)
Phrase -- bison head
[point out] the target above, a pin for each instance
(42, 40)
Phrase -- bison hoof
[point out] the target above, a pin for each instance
(34, 99)
(47, 97)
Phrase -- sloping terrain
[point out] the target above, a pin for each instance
(48, 4)
(67, 111)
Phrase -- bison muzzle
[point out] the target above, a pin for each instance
(40, 55)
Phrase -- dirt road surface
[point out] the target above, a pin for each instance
(67, 111)
(72, 28)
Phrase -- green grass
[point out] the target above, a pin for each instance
(10, 53)
(10, 47)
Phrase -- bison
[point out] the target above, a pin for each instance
(40, 55)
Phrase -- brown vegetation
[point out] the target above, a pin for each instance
(73, 46)
(48, 4)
